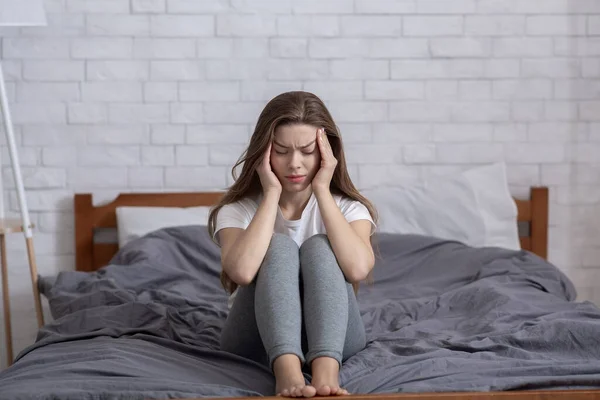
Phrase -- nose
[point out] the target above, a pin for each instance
(295, 160)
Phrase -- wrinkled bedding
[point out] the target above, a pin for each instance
(440, 316)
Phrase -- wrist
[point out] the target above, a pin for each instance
(321, 191)
(272, 192)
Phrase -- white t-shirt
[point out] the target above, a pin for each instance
(240, 214)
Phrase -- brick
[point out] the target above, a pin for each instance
(288, 48)
(527, 111)
(550, 68)
(359, 69)
(265, 90)
(51, 135)
(101, 177)
(161, 48)
(296, 70)
(411, 111)
(308, 26)
(217, 134)
(376, 26)
(246, 25)
(480, 111)
(574, 46)
(148, 6)
(209, 91)
(419, 153)
(35, 48)
(583, 153)
(195, 6)
(580, 195)
(473, 153)
(323, 7)
(47, 92)
(167, 134)
(446, 7)
(139, 113)
(590, 68)
(358, 111)
(176, 70)
(117, 71)
(57, 222)
(60, 25)
(376, 175)
(462, 132)
(60, 156)
(398, 48)
(353, 133)
(232, 113)
(182, 25)
(204, 177)
(118, 25)
(431, 26)
(557, 132)
(589, 111)
(145, 177)
(550, 25)
(87, 113)
(109, 155)
(523, 89)
(496, 25)
(510, 132)
(237, 69)
(101, 48)
(534, 153)
(337, 48)
(262, 6)
(437, 69)
(573, 89)
(37, 178)
(593, 25)
(160, 92)
(98, 6)
(475, 90)
(59, 71)
(27, 156)
(441, 90)
(523, 175)
(461, 47)
(523, 47)
(401, 133)
(373, 153)
(44, 200)
(191, 155)
(187, 113)
(248, 48)
(560, 111)
(38, 113)
(394, 90)
(117, 134)
(329, 90)
(502, 68)
(158, 155)
(111, 92)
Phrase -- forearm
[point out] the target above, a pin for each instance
(244, 259)
(355, 257)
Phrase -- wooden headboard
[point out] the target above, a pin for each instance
(91, 255)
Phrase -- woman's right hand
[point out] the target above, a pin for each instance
(268, 179)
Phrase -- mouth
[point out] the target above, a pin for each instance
(295, 178)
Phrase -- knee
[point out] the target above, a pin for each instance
(284, 243)
(316, 244)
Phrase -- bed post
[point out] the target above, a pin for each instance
(84, 232)
(539, 221)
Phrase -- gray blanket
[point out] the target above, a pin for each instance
(440, 316)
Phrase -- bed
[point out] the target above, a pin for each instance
(444, 320)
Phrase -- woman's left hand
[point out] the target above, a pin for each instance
(322, 179)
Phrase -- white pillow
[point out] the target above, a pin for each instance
(474, 207)
(134, 222)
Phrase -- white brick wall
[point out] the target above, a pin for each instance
(118, 95)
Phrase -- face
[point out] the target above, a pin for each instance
(295, 156)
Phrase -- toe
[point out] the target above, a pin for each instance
(285, 393)
(308, 391)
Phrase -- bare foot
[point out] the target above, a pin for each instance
(325, 377)
(289, 378)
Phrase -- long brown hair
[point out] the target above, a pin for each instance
(287, 108)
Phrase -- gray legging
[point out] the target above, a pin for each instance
(265, 320)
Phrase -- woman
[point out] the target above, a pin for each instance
(295, 237)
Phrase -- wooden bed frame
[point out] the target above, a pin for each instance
(91, 255)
